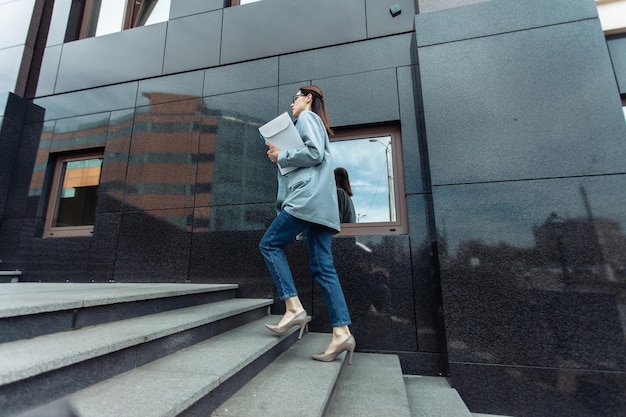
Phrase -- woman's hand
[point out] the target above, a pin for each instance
(272, 152)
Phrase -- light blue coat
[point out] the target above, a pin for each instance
(309, 193)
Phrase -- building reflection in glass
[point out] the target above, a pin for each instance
(539, 263)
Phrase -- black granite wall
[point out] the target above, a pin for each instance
(526, 146)
(14, 139)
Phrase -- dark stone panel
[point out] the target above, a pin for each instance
(257, 281)
(101, 256)
(370, 55)
(375, 91)
(426, 284)
(163, 152)
(617, 50)
(28, 172)
(115, 163)
(231, 255)
(503, 16)
(154, 246)
(380, 22)
(180, 8)
(375, 273)
(170, 88)
(193, 42)
(539, 392)
(261, 29)
(261, 73)
(15, 107)
(49, 70)
(488, 118)
(236, 169)
(419, 363)
(10, 133)
(215, 254)
(414, 181)
(118, 57)
(533, 271)
(79, 133)
(59, 259)
(16, 238)
(115, 97)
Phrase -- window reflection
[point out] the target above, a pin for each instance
(242, 2)
(77, 199)
(151, 12)
(369, 162)
(110, 16)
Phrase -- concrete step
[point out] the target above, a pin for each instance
(292, 385)
(33, 309)
(433, 397)
(38, 370)
(372, 386)
(190, 382)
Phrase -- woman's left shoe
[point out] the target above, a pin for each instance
(349, 344)
(299, 319)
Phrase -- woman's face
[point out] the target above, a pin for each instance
(300, 102)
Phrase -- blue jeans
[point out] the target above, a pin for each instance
(283, 231)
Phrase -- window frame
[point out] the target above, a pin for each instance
(54, 199)
(400, 226)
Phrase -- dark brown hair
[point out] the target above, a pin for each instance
(342, 180)
(318, 106)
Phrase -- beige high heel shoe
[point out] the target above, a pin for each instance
(300, 319)
(349, 344)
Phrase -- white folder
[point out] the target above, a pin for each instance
(281, 132)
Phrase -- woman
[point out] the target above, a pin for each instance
(344, 194)
(307, 202)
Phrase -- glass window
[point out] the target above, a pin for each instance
(372, 159)
(73, 198)
(103, 17)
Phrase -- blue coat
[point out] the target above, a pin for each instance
(309, 193)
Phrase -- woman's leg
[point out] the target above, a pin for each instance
(281, 232)
(319, 240)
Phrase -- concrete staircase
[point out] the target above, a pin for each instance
(141, 350)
